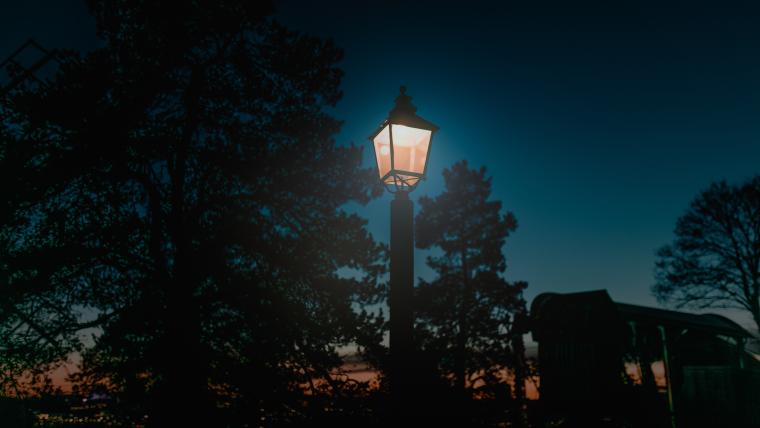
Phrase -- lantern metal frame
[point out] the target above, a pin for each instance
(404, 113)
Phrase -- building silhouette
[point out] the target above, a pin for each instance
(604, 363)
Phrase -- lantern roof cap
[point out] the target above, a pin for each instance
(403, 104)
(405, 113)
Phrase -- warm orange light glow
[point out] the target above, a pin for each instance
(633, 371)
(383, 152)
(658, 369)
(410, 150)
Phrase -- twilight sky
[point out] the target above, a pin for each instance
(599, 121)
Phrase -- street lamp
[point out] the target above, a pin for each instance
(402, 143)
(402, 147)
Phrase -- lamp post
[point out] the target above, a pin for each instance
(402, 146)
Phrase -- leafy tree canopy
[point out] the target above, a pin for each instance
(180, 190)
(468, 311)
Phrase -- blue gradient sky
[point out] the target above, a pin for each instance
(599, 121)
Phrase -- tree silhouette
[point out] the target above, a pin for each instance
(714, 260)
(33, 331)
(181, 192)
(467, 312)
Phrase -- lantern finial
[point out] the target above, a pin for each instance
(403, 104)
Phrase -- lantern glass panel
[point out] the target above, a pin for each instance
(410, 148)
(383, 151)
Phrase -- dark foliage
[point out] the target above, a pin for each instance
(714, 261)
(179, 191)
(468, 312)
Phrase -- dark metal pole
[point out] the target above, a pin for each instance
(668, 374)
(401, 294)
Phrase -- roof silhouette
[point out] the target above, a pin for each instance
(712, 323)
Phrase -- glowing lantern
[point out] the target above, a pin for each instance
(402, 145)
